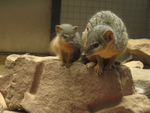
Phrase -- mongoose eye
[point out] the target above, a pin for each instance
(95, 45)
(65, 37)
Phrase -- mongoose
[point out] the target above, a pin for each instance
(105, 37)
(66, 44)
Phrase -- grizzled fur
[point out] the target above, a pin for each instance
(107, 18)
(105, 37)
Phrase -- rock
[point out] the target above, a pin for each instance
(130, 104)
(76, 90)
(19, 111)
(1, 108)
(41, 85)
(140, 49)
(4, 109)
(139, 90)
(2, 101)
(15, 81)
(134, 64)
(141, 79)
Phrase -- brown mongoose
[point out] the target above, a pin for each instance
(105, 37)
(66, 44)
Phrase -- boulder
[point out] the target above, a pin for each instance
(141, 78)
(16, 111)
(130, 104)
(15, 80)
(2, 101)
(41, 85)
(134, 64)
(4, 109)
(140, 49)
(1, 108)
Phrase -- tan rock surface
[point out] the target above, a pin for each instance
(141, 79)
(2, 101)
(7, 111)
(1, 108)
(140, 49)
(140, 74)
(41, 85)
(134, 64)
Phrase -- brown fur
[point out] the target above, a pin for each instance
(67, 52)
(103, 41)
(63, 50)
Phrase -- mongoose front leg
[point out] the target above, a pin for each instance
(90, 64)
(62, 57)
(68, 60)
(111, 62)
(99, 66)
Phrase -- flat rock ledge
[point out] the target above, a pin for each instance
(41, 85)
(139, 49)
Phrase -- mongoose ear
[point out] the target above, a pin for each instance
(88, 29)
(75, 28)
(58, 28)
(108, 35)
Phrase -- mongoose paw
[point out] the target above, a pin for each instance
(62, 64)
(98, 70)
(109, 67)
(90, 64)
(68, 65)
(117, 63)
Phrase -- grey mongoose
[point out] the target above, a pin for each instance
(105, 38)
(67, 44)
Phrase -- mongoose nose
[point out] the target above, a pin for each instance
(83, 55)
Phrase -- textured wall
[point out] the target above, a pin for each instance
(24, 25)
(148, 19)
(134, 13)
